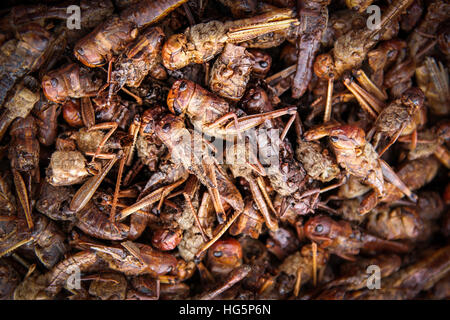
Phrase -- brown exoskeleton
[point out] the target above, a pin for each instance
(47, 114)
(24, 157)
(185, 150)
(351, 49)
(397, 224)
(437, 12)
(70, 81)
(409, 281)
(22, 55)
(113, 35)
(208, 113)
(382, 57)
(432, 78)
(138, 60)
(231, 71)
(346, 240)
(20, 103)
(46, 240)
(249, 222)
(401, 117)
(414, 174)
(353, 275)
(299, 268)
(358, 157)
(201, 42)
(129, 258)
(10, 279)
(313, 16)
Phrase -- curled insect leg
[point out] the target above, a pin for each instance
(271, 223)
(84, 194)
(112, 126)
(393, 178)
(235, 276)
(280, 82)
(223, 119)
(369, 202)
(341, 182)
(254, 164)
(151, 198)
(22, 194)
(283, 74)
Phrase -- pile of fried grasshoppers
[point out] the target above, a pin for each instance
(134, 149)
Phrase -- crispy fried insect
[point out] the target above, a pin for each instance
(397, 224)
(22, 55)
(231, 71)
(249, 222)
(224, 256)
(70, 81)
(201, 42)
(346, 240)
(113, 35)
(313, 16)
(401, 117)
(351, 49)
(20, 103)
(209, 113)
(359, 159)
(140, 59)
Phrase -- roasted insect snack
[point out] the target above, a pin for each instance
(224, 149)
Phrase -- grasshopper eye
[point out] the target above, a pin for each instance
(54, 82)
(166, 127)
(318, 228)
(334, 139)
(217, 254)
(80, 51)
(183, 86)
(263, 64)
